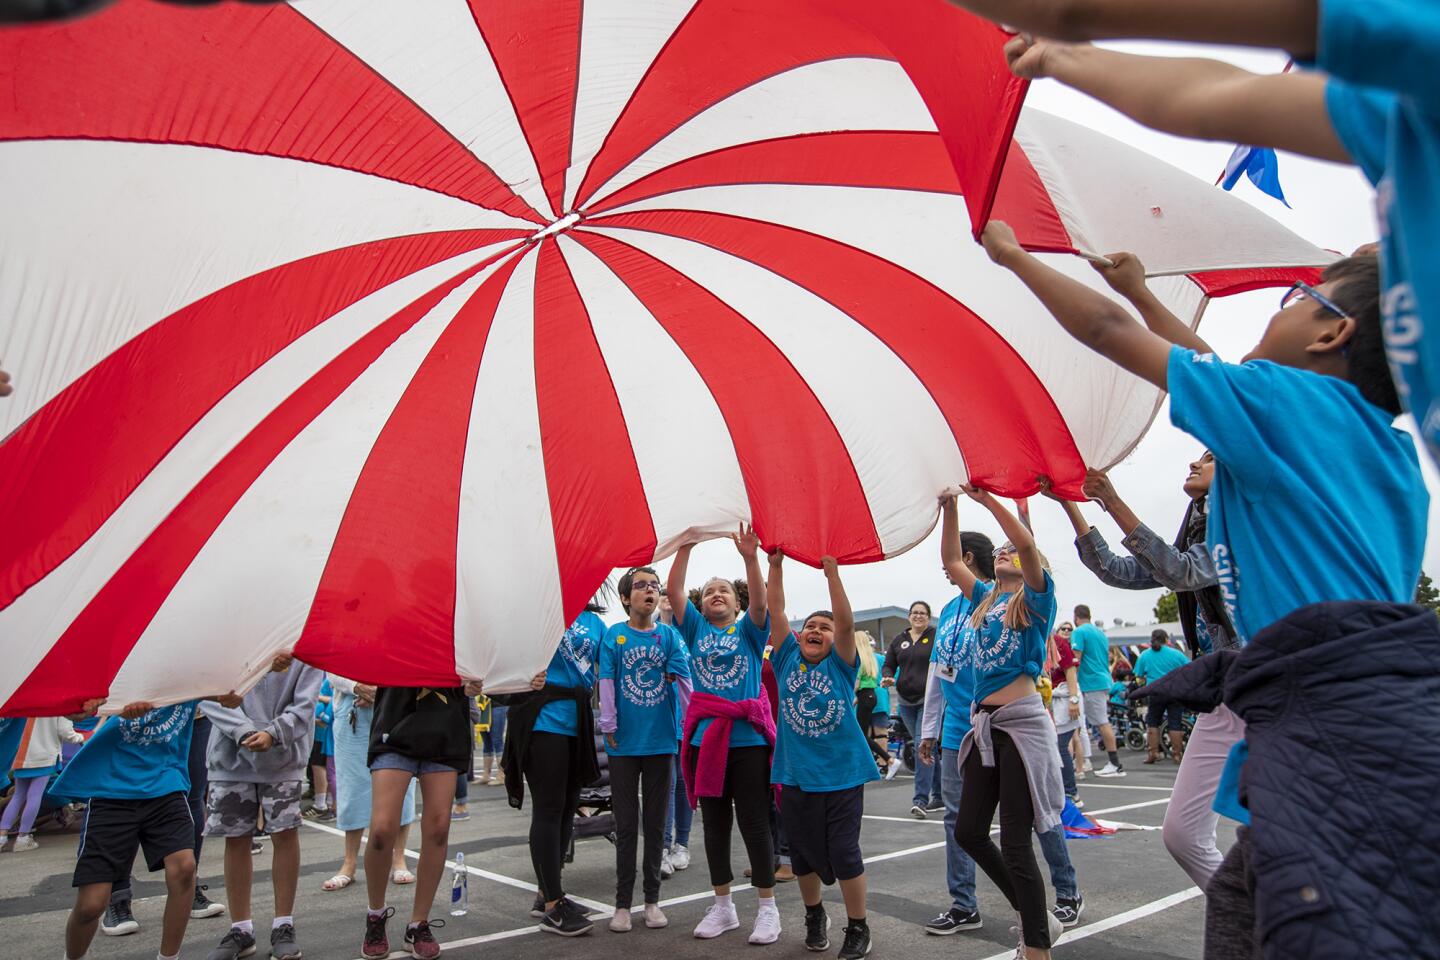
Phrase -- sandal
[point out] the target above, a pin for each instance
(338, 882)
(401, 877)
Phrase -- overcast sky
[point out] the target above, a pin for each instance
(1332, 207)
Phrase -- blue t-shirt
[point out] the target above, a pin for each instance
(726, 662)
(1384, 104)
(957, 678)
(1153, 664)
(638, 661)
(819, 746)
(573, 665)
(138, 759)
(1092, 654)
(1316, 495)
(999, 654)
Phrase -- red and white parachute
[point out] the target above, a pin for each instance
(383, 331)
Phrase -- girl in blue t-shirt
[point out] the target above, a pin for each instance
(644, 675)
(727, 651)
(1003, 646)
(821, 759)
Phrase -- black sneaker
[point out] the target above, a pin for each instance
(1068, 911)
(954, 920)
(817, 926)
(936, 803)
(537, 909)
(256, 848)
(234, 945)
(283, 945)
(857, 941)
(567, 919)
(203, 906)
(118, 921)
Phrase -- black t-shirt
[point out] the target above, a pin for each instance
(423, 723)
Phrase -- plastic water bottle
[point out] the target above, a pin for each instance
(459, 887)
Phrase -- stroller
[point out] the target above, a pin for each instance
(594, 817)
(1127, 722)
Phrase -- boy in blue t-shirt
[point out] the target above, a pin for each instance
(134, 774)
(644, 682)
(822, 761)
(1152, 664)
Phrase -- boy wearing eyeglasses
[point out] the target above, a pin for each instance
(1317, 497)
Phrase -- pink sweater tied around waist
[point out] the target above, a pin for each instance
(709, 765)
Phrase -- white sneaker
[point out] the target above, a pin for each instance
(620, 922)
(680, 857)
(1110, 770)
(893, 768)
(716, 921)
(1056, 927)
(24, 842)
(655, 917)
(918, 812)
(1089, 767)
(767, 926)
(667, 868)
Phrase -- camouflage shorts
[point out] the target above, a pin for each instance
(235, 808)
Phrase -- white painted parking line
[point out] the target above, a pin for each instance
(1122, 786)
(1128, 806)
(1119, 920)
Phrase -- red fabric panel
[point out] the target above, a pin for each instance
(1023, 202)
(251, 79)
(598, 507)
(719, 49)
(899, 160)
(85, 659)
(538, 57)
(1003, 419)
(1225, 283)
(385, 606)
(123, 415)
(803, 491)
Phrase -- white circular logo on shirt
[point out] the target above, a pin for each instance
(988, 652)
(577, 645)
(643, 680)
(808, 703)
(717, 664)
(158, 726)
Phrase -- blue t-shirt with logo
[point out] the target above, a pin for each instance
(1153, 664)
(957, 678)
(645, 712)
(1316, 495)
(138, 759)
(573, 665)
(999, 654)
(1092, 653)
(819, 746)
(726, 662)
(1384, 104)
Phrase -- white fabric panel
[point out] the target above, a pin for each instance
(662, 397)
(857, 93)
(834, 355)
(179, 223)
(1113, 197)
(38, 617)
(432, 51)
(619, 40)
(929, 234)
(509, 614)
(253, 582)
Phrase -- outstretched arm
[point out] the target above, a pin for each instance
(1071, 508)
(1195, 98)
(749, 546)
(1090, 317)
(1098, 487)
(952, 554)
(1126, 276)
(840, 609)
(675, 584)
(1285, 24)
(775, 600)
(1018, 535)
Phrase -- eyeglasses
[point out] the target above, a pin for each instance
(646, 586)
(1067, 629)
(1303, 291)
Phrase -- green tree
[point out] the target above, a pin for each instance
(1167, 608)
(1426, 595)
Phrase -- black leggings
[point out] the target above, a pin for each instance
(554, 796)
(630, 777)
(1011, 867)
(865, 703)
(747, 787)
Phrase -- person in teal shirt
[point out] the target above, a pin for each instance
(1092, 650)
(821, 758)
(1151, 665)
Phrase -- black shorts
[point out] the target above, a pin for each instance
(317, 753)
(115, 828)
(1171, 710)
(823, 830)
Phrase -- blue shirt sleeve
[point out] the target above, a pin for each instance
(690, 627)
(755, 637)
(1361, 118)
(608, 649)
(1042, 602)
(784, 655)
(1390, 44)
(678, 661)
(1227, 407)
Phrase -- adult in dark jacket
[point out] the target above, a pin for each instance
(1341, 703)
(907, 665)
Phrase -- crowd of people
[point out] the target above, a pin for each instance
(1301, 544)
